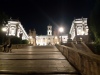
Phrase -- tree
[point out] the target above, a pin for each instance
(3, 18)
(3, 21)
(94, 22)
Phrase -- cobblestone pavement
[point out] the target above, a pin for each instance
(35, 60)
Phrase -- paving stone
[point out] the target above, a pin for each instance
(37, 60)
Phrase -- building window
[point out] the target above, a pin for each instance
(49, 32)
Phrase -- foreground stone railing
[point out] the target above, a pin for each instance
(86, 63)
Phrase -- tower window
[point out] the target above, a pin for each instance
(49, 32)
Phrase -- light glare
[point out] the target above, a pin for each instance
(4, 29)
(61, 29)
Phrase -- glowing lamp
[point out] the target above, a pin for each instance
(4, 29)
(61, 29)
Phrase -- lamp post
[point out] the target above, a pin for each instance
(4, 29)
(61, 29)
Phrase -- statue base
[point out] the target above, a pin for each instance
(69, 40)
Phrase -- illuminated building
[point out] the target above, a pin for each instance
(49, 39)
(15, 28)
(79, 29)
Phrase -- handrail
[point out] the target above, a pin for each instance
(87, 63)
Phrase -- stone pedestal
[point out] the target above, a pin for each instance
(69, 38)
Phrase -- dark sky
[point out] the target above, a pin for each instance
(40, 13)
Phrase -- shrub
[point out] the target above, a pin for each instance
(15, 40)
(24, 42)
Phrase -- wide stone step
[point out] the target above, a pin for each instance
(35, 60)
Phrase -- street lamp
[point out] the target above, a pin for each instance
(61, 30)
(4, 29)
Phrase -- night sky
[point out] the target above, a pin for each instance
(40, 13)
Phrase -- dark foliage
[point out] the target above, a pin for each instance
(15, 40)
(95, 48)
(3, 17)
(94, 23)
(3, 21)
(24, 42)
(94, 28)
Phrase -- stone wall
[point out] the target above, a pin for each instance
(86, 63)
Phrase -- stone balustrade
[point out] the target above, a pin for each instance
(87, 63)
(16, 46)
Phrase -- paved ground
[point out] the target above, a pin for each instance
(37, 60)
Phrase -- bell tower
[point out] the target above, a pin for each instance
(49, 31)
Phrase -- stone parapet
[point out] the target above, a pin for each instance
(87, 63)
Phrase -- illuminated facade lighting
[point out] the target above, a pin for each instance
(15, 28)
(79, 28)
(48, 39)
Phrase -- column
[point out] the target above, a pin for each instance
(16, 30)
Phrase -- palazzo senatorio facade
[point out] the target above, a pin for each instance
(49, 39)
